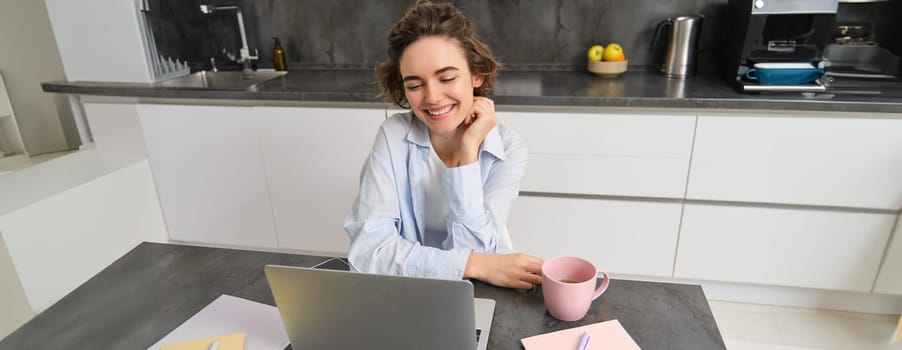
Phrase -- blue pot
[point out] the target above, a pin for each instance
(784, 73)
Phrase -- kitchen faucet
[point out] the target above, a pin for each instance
(245, 56)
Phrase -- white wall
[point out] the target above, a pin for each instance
(60, 242)
(28, 57)
(115, 128)
(99, 40)
(12, 297)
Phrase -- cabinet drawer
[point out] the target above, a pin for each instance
(629, 237)
(787, 247)
(605, 154)
(843, 162)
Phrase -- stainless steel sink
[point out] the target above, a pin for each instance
(221, 80)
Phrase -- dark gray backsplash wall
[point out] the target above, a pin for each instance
(547, 34)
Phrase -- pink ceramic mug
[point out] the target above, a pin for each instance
(568, 285)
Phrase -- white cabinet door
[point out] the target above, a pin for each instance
(208, 169)
(605, 154)
(843, 162)
(628, 237)
(786, 247)
(313, 158)
(889, 281)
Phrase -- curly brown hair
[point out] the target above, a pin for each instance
(430, 19)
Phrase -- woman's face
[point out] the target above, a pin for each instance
(438, 83)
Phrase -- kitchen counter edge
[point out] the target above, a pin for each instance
(533, 88)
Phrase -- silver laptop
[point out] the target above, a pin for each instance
(330, 309)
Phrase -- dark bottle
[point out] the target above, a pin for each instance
(278, 55)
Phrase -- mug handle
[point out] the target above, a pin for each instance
(604, 284)
(749, 76)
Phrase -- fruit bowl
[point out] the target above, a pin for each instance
(608, 69)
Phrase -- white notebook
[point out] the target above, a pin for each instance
(228, 315)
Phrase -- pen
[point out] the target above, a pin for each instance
(584, 341)
(214, 346)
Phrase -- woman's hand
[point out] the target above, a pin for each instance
(482, 119)
(515, 270)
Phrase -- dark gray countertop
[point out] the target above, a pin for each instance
(155, 287)
(640, 89)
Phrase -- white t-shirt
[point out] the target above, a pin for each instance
(436, 213)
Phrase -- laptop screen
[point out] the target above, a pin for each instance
(332, 309)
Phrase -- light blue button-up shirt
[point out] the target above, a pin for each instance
(386, 223)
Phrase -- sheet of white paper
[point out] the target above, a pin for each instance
(228, 315)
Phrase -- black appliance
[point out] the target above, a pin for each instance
(770, 31)
(866, 42)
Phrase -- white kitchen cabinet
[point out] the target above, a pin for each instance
(313, 158)
(841, 162)
(780, 246)
(626, 237)
(208, 167)
(394, 110)
(889, 281)
(605, 154)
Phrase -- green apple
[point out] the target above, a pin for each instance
(595, 53)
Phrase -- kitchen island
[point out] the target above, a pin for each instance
(767, 196)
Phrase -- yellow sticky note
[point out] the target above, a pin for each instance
(226, 342)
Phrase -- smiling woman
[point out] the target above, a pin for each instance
(439, 89)
(437, 188)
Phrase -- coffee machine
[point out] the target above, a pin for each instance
(866, 41)
(775, 31)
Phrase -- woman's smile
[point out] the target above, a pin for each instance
(441, 113)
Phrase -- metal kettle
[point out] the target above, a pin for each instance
(681, 58)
